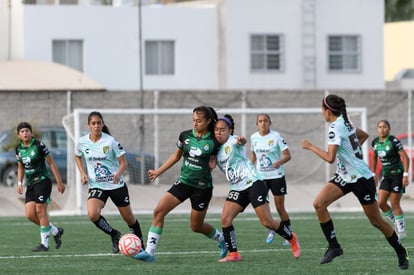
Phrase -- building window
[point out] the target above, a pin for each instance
(344, 53)
(69, 53)
(159, 57)
(266, 53)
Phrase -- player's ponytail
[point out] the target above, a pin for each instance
(337, 106)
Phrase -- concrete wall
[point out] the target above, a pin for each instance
(398, 48)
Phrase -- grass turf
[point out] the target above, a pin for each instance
(86, 250)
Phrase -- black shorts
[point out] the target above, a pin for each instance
(393, 183)
(277, 186)
(364, 189)
(200, 198)
(119, 196)
(39, 192)
(256, 195)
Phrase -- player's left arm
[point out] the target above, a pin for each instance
(361, 135)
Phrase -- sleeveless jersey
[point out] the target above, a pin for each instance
(388, 153)
(33, 160)
(232, 161)
(195, 169)
(350, 164)
(101, 160)
(268, 150)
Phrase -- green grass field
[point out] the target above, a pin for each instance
(86, 250)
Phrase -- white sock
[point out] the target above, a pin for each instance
(44, 235)
(152, 242)
(400, 223)
(53, 229)
(218, 236)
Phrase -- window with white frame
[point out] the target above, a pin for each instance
(344, 53)
(69, 53)
(159, 57)
(266, 53)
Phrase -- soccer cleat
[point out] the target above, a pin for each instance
(58, 237)
(295, 246)
(115, 242)
(403, 260)
(270, 236)
(232, 257)
(223, 249)
(286, 243)
(331, 253)
(144, 256)
(40, 248)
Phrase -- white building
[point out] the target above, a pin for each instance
(208, 45)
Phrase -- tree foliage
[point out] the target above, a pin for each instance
(398, 10)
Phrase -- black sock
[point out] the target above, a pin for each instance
(230, 238)
(103, 225)
(284, 231)
(396, 244)
(330, 235)
(136, 229)
(287, 223)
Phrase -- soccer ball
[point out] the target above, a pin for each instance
(129, 245)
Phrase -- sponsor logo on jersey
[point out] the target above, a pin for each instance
(331, 135)
(195, 152)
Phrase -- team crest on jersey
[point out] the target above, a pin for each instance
(32, 153)
(105, 149)
(270, 142)
(227, 149)
(387, 147)
(206, 147)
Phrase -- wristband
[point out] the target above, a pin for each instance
(405, 174)
(19, 183)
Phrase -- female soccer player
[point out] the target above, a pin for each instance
(106, 162)
(269, 151)
(31, 155)
(352, 175)
(395, 163)
(245, 188)
(198, 148)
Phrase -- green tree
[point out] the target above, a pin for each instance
(398, 10)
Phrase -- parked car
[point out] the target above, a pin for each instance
(404, 140)
(56, 140)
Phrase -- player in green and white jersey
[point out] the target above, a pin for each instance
(269, 152)
(352, 175)
(32, 156)
(246, 187)
(105, 160)
(395, 163)
(198, 148)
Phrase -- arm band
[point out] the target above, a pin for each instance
(405, 174)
